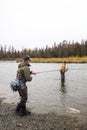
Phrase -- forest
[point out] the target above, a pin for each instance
(63, 49)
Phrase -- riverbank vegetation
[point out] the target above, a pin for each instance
(51, 60)
(64, 51)
(59, 60)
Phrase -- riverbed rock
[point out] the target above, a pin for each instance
(51, 121)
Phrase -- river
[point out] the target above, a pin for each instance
(45, 92)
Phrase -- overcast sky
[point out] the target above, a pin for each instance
(37, 23)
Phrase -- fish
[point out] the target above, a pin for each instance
(72, 110)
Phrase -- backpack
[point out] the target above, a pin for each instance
(15, 85)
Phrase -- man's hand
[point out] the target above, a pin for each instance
(34, 73)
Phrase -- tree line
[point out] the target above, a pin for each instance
(60, 50)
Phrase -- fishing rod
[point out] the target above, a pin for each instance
(50, 71)
(59, 70)
(47, 71)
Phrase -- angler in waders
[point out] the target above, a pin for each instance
(23, 75)
(62, 71)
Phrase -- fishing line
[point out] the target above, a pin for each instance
(78, 69)
(59, 70)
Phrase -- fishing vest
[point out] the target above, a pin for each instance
(20, 75)
(63, 68)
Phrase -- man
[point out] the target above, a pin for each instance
(63, 70)
(23, 75)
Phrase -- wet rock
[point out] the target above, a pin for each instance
(51, 121)
(19, 124)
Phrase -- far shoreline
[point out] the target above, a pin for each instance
(50, 60)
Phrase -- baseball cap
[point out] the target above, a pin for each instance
(27, 57)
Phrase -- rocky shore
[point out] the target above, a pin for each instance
(51, 121)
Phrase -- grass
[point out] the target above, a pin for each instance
(53, 60)
(59, 60)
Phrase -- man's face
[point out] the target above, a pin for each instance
(27, 61)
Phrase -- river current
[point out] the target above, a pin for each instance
(45, 92)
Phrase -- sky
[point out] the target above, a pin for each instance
(37, 23)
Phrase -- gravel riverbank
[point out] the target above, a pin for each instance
(51, 121)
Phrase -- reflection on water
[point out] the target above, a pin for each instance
(63, 88)
(45, 92)
(62, 84)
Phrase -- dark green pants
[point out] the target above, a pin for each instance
(24, 96)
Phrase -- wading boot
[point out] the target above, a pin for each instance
(18, 108)
(24, 111)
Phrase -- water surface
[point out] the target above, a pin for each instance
(45, 92)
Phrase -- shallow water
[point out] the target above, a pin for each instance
(45, 92)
